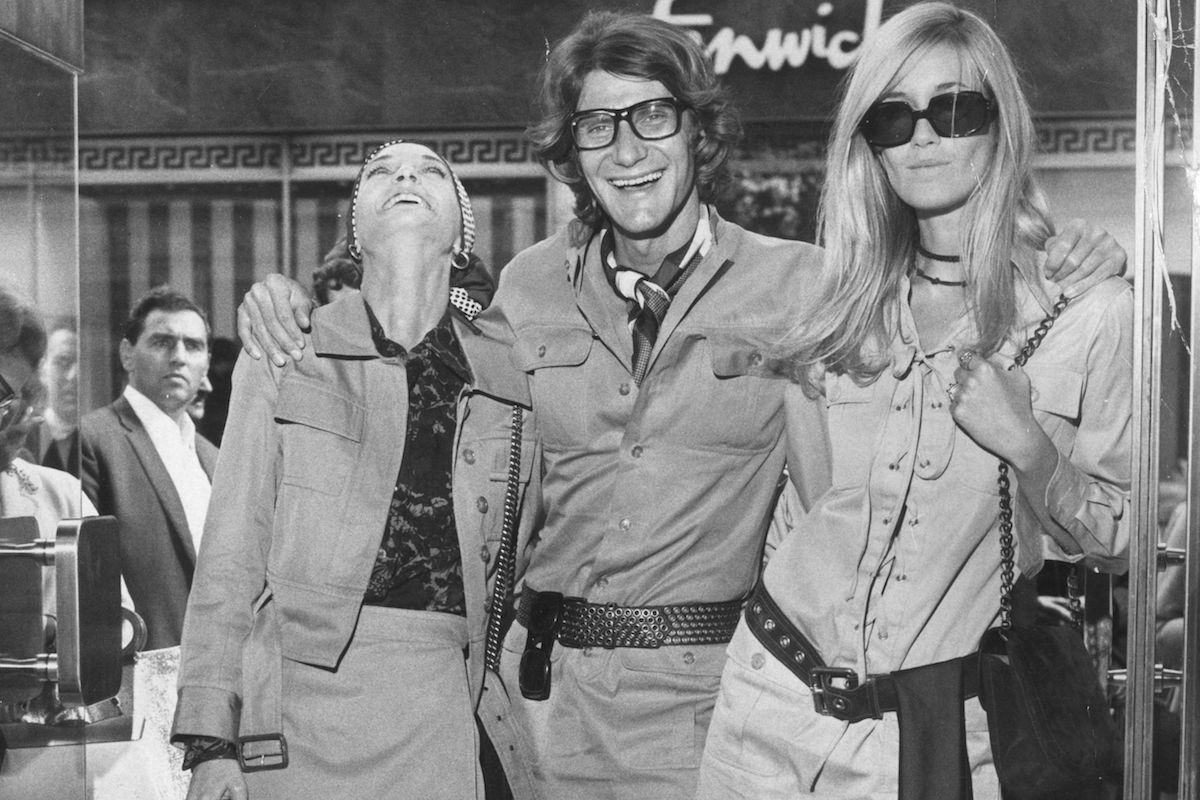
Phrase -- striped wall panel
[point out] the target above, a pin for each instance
(214, 244)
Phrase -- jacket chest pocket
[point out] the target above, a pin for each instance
(737, 390)
(1056, 394)
(320, 431)
(563, 388)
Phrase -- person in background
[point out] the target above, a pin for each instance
(143, 462)
(338, 273)
(56, 439)
(46, 494)
(221, 360)
(334, 637)
(643, 331)
(853, 673)
(196, 408)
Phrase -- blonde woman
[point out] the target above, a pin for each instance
(934, 229)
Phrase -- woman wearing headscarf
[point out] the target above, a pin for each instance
(333, 637)
(852, 673)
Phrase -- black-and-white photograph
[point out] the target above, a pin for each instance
(611, 400)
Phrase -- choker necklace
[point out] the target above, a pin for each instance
(938, 281)
(938, 256)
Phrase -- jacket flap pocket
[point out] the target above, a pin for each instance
(316, 405)
(551, 346)
(746, 352)
(1056, 389)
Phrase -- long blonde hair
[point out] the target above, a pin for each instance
(870, 234)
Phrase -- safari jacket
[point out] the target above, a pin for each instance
(651, 495)
(300, 499)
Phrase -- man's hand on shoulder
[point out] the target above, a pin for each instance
(1082, 255)
(272, 318)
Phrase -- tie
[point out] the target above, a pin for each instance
(653, 302)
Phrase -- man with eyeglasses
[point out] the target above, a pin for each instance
(645, 331)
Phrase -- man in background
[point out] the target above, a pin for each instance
(143, 462)
(57, 437)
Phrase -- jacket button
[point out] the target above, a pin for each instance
(758, 660)
(484, 555)
(541, 351)
(625, 524)
(636, 452)
(689, 657)
(469, 456)
(623, 388)
(481, 504)
(756, 358)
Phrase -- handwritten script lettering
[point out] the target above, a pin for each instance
(779, 49)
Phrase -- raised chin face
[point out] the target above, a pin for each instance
(406, 187)
(934, 174)
(647, 188)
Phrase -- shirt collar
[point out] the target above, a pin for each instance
(154, 417)
(440, 342)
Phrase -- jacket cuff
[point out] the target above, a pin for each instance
(207, 711)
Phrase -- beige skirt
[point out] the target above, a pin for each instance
(394, 720)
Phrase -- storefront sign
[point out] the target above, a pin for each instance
(782, 60)
(832, 36)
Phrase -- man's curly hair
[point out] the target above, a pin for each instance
(636, 46)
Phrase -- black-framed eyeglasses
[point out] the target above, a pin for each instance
(544, 618)
(657, 118)
(892, 122)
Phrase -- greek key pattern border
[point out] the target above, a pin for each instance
(1061, 141)
(308, 157)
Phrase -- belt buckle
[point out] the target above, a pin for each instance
(827, 698)
(265, 758)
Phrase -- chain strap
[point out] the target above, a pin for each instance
(1007, 549)
(506, 558)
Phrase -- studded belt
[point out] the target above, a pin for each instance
(607, 625)
(837, 692)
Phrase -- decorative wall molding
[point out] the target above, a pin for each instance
(1064, 143)
(486, 154)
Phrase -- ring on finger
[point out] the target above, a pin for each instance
(952, 391)
(965, 357)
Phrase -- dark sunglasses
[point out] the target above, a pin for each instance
(892, 122)
(544, 618)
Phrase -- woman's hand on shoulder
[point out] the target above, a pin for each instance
(272, 317)
(218, 779)
(994, 406)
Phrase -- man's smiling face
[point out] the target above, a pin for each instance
(647, 188)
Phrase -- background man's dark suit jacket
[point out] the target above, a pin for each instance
(123, 476)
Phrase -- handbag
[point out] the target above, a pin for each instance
(1048, 717)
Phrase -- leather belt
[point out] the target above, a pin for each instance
(608, 625)
(837, 692)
